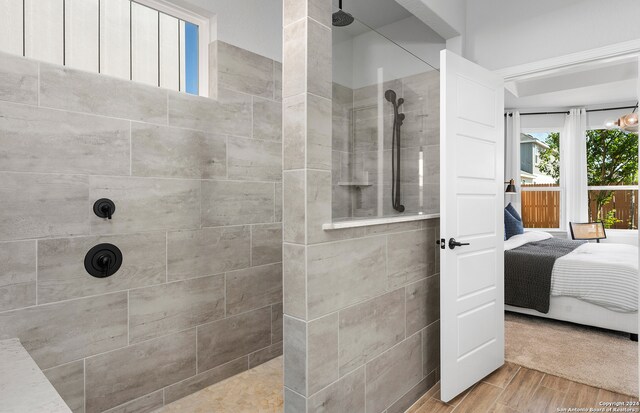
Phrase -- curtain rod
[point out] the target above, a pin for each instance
(567, 112)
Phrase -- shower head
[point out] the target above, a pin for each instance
(342, 18)
(390, 95)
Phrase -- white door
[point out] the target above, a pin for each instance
(471, 201)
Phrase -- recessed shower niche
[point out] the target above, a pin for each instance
(386, 128)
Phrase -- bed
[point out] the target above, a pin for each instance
(585, 283)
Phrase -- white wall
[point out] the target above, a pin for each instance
(504, 33)
(356, 61)
(254, 25)
(446, 17)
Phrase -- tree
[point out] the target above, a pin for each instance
(612, 159)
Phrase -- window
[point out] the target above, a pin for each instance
(540, 179)
(612, 176)
(146, 41)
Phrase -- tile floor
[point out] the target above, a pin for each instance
(258, 390)
(511, 389)
(515, 389)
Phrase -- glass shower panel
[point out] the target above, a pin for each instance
(386, 120)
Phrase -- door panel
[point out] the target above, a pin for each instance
(471, 182)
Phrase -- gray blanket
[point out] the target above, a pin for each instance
(527, 272)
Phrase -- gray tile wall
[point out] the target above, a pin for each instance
(361, 305)
(197, 188)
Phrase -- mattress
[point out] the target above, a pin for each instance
(602, 274)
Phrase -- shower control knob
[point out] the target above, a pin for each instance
(103, 260)
(104, 208)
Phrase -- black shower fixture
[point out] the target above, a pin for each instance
(104, 208)
(396, 166)
(341, 18)
(103, 260)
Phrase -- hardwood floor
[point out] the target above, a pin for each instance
(515, 389)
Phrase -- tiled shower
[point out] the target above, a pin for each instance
(196, 184)
(219, 211)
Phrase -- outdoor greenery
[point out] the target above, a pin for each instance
(612, 159)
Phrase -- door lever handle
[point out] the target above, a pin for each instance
(453, 243)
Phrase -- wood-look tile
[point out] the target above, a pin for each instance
(363, 259)
(59, 333)
(426, 385)
(370, 328)
(17, 274)
(42, 140)
(393, 374)
(322, 357)
(207, 251)
(141, 369)
(501, 408)
(503, 375)
(264, 355)
(581, 395)
(409, 262)
(555, 383)
(78, 91)
(62, 275)
(229, 114)
(170, 308)
(253, 288)
(204, 379)
(479, 399)
(68, 380)
(522, 387)
(145, 404)
(244, 71)
(276, 323)
(435, 406)
(295, 355)
(163, 151)
(146, 204)
(237, 203)
(267, 119)
(18, 79)
(266, 244)
(423, 303)
(456, 400)
(31, 205)
(346, 395)
(609, 396)
(544, 400)
(254, 160)
(225, 340)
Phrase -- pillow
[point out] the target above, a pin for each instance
(513, 212)
(511, 225)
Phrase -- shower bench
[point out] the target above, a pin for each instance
(23, 386)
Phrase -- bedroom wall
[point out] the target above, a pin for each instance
(197, 188)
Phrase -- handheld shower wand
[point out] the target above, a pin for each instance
(396, 159)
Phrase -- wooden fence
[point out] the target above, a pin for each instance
(541, 209)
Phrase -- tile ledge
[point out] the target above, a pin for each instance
(366, 222)
(23, 386)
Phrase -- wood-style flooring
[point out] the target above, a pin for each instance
(515, 389)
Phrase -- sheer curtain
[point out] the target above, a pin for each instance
(573, 167)
(512, 157)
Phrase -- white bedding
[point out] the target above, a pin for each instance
(602, 274)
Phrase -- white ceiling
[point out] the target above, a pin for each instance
(585, 85)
